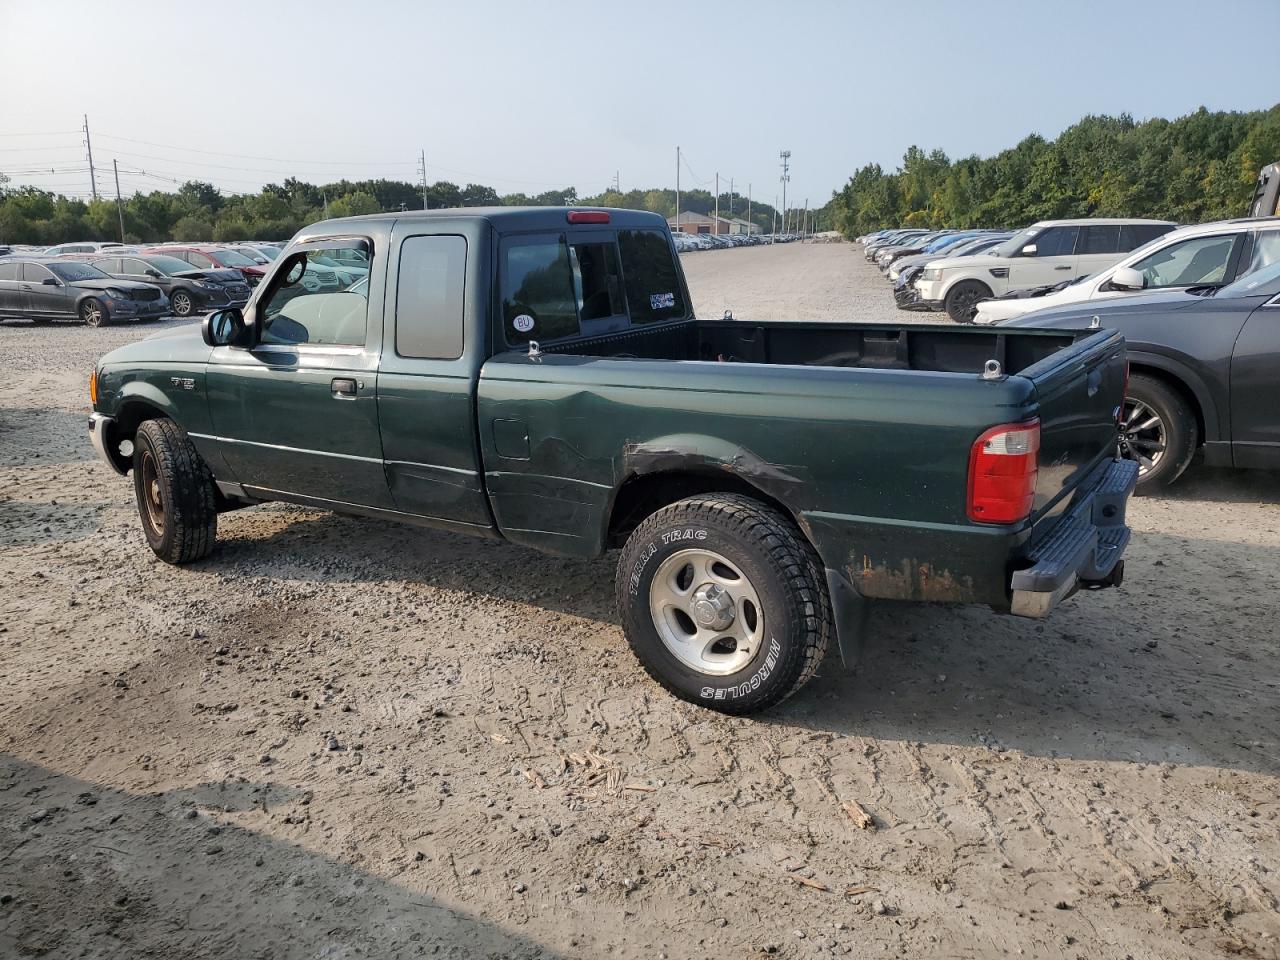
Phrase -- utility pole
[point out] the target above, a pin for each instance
(422, 171)
(775, 219)
(677, 186)
(93, 181)
(749, 204)
(785, 156)
(119, 205)
(804, 224)
(731, 198)
(716, 229)
(617, 181)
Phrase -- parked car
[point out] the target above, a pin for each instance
(44, 290)
(190, 291)
(524, 378)
(209, 258)
(1189, 256)
(910, 268)
(1046, 252)
(85, 246)
(894, 239)
(1204, 372)
(965, 244)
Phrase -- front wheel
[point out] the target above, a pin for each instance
(962, 300)
(93, 313)
(1158, 430)
(181, 303)
(175, 493)
(724, 603)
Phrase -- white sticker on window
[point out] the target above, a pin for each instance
(523, 323)
(659, 301)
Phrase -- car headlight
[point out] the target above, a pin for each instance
(114, 294)
(931, 273)
(202, 284)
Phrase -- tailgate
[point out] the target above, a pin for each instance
(1079, 391)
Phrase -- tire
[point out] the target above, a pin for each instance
(1158, 430)
(93, 312)
(962, 299)
(741, 560)
(182, 304)
(175, 493)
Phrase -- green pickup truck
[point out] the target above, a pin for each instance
(538, 375)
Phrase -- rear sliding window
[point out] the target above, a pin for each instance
(556, 286)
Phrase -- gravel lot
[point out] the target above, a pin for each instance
(338, 738)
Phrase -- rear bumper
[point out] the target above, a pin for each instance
(1085, 548)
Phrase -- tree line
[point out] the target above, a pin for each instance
(1193, 169)
(198, 211)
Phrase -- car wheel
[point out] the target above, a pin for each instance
(93, 313)
(175, 493)
(181, 303)
(1158, 430)
(724, 603)
(962, 300)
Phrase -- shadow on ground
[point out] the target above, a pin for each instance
(97, 872)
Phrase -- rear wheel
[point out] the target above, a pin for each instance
(962, 300)
(724, 603)
(181, 303)
(93, 312)
(1158, 430)
(175, 493)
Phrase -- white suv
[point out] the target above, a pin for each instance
(1044, 253)
(1217, 253)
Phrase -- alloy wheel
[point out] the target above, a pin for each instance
(1142, 435)
(706, 611)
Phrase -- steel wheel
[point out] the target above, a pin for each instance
(92, 313)
(1142, 435)
(181, 303)
(153, 515)
(706, 612)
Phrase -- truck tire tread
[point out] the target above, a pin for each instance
(192, 517)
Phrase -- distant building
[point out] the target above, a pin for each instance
(690, 222)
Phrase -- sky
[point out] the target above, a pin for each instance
(530, 96)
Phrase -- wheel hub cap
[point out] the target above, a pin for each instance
(712, 607)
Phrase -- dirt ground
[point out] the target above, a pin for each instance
(338, 738)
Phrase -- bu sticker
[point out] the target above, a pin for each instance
(523, 323)
(659, 301)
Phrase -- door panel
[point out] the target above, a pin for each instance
(1255, 391)
(427, 378)
(281, 426)
(41, 299)
(1054, 260)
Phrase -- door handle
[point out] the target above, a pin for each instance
(344, 388)
(1063, 267)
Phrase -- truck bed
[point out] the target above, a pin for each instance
(932, 347)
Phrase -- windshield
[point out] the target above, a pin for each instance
(322, 260)
(1014, 244)
(76, 271)
(230, 258)
(1264, 281)
(269, 252)
(169, 264)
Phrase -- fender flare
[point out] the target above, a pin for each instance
(1191, 381)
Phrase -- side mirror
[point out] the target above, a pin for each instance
(49, 282)
(225, 328)
(153, 272)
(1127, 278)
(1029, 250)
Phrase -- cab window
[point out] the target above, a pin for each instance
(310, 306)
(429, 290)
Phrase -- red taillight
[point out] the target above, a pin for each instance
(588, 216)
(1002, 473)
